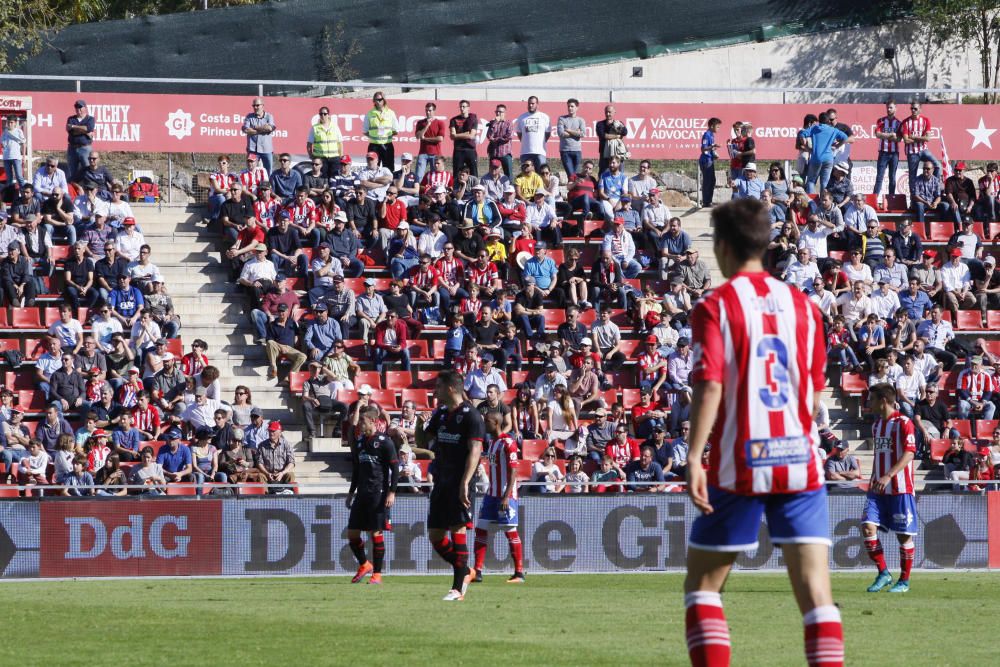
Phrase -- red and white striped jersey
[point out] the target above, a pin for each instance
(502, 455)
(915, 127)
(423, 279)
(192, 364)
(463, 366)
(647, 360)
(265, 210)
(886, 124)
(325, 216)
(482, 277)
(892, 438)
(451, 270)
(146, 420)
(976, 384)
(470, 305)
(432, 179)
(221, 182)
(252, 178)
(989, 185)
(302, 214)
(763, 341)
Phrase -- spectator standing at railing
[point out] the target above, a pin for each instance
(571, 129)
(888, 130)
(706, 160)
(464, 129)
(258, 126)
(533, 129)
(381, 126)
(13, 142)
(80, 137)
(985, 208)
(915, 131)
(826, 139)
(499, 137)
(430, 132)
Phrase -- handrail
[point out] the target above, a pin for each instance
(490, 85)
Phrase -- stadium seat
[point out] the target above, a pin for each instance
(853, 384)
(9, 492)
(437, 347)
(610, 396)
(991, 232)
(252, 490)
(422, 398)
(31, 400)
(175, 346)
(347, 396)
(896, 203)
(418, 351)
(26, 318)
(182, 489)
(623, 378)
(517, 377)
(50, 316)
(386, 398)
(993, 323)
(630, 397)
(949, 381)
(553, 317)
(7, 344)
(984, 428)
(368, 377)
(629, 347)
(398, 379)
(16, 381)
(588, 317)
(531, 450)
(60, 253)
(355, 349)
(296, 382)
(592, 228)
(938, 448)
(426, 379)
(963, 426)
(839, 255)
(940, 231)
(524, 470)
(557, 255)
(888, 225)
(969, 320)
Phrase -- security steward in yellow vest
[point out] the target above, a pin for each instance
(381, 126)
(325, 143)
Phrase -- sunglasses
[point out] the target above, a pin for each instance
(323, 113)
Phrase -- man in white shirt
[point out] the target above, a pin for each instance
(824, 299)
(533, 130)
(910, 387)
(802, 270)
(891, 272)
(925, 363)
(814, 237)
(857, 215)
(956, 281)
(375, 177)
(129, 241)
(855, 305)
(936, 333)
(201, 413)
(884, 300)
(259, 273)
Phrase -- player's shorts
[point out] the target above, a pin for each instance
(792, 518)
(367, 514)
(897, 514)
(490, 512)
(446, 509)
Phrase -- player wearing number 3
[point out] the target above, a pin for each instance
(759, 367)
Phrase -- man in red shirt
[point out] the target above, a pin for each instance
(241, 251)
(464, 128)
(622, 449)
(390, 342)
(648, 414)
(430, 133)
(392, 211)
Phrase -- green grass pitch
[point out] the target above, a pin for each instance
(627, 619)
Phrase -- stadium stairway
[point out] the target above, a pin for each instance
(211, 308)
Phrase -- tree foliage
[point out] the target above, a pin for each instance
(24, 29)
(974, 23)
(335, 54)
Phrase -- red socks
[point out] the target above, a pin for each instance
(516, 549)
(906, 560)
(874, 548)
(480, 547)
(824, 637)
(378, 553)
(707, 630)
(445, 549)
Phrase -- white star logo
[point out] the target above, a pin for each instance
(179, 124)
(981, 135)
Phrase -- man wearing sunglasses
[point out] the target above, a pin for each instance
(325, 142)
(259, 125)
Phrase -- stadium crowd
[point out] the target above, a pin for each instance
(352, 271)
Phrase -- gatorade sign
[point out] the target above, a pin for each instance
(131, 538)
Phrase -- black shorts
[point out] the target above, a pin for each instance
(367, 514)
(446, 509)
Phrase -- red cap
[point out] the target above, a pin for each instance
(128, 221)
(984, 451)
(956, 252)
(652, 339)
(251, 157)
(619, 221)
(959, 165)
(495, 163)
(274, 426)
(372, 154)
(99, 433)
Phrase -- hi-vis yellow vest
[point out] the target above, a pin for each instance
(326, 141)
(380, 125)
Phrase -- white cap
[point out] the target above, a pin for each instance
(365, 390)
(403, 225)
(586, 341)
(751, 166)
(407, 156)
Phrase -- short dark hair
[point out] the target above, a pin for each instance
(450, 379)
(883, 391)
(573, 100)
(744, 225)
(461, 102)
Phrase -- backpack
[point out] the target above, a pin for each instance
(144, 189)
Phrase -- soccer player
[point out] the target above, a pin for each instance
(759, 367)
(456, 431)
(500, 502)
(890, 503)
(374, 474)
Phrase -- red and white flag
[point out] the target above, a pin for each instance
(945, 162)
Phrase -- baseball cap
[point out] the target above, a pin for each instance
(264, 186)
(168, 356)
(407, 156)
(372, 155)
(256, 412)
(956, 252)
(337, 278)
(282, 307)
(495, 163)
(365, 390)
(959, 165)
(624, 198)
(600, 412)
(324, 244)
(619, 221)
(133, 371)
(128, 221)
(320, 307)
(99, 433)
(403, 225)
(340, 217)
(369, 282)
(540, 193)
(203, 432)
(652, 339)
(440, 190)
(172, 434)
(487, 356)
(510, 188)
(586, 341)
(477, 186)
(261, 246)
(160, 341)
(654, 191)
(274, 426)
(345, 159)
(200, 391)
(549, 366)
(683, 341)
(80, 103)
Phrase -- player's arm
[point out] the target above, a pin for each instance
(705, 401)
(355, 473)
(471, 463)
(508, 492)
(392, 465)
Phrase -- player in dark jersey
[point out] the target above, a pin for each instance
(374, 474)
(457, 431)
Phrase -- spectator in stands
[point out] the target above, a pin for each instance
(201, 413)
(968, 241)
(622, 448)
(927, 194)
(259, 126)
(929, 275)
(33, 467)
(167, 385)
(463, 129)
(975, 391)
(48, 179)
(533, 130)
(841, 467)
(956, 280)
(276, 459)
(891, 272)
(429, 131)
(320, 398)
(143, 272)
(381, 126)
(957, 462)
(126, 439)
(16, 278)
(697, 278)
(258, 274)
(747, 185)
(285, 180)
(285, 248)
(391, 342)
(482, 376)
(126, 301)
(622, 249)
(322, 333)
(825, 140)
(56, 213)
(985, 208)
(915, 132)
(149, 474)
(47, 364)
(570, 129)
(987, 289)
(610, 189)
(802, 270)
(219, 182)
(253, 177)
(205, 458)
(959, 194)
(87, 206)
(281, 331)
(643, 472)
(370, 309)
(51, 427)
(175, 458)
(839, 187)
(345, 247)
(910, 388)
(107, 270)
(584, 386)
(885, 302)
(323, 269)
(547, 474)
(67, 388)
(325, 142)
(14, 142)
(610, 133)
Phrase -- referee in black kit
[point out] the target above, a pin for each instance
(456, 430)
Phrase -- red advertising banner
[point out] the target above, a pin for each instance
(131, 538)
(211, 124)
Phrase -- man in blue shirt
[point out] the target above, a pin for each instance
(915, 301)
(706, 161)
(284, 180)
(644, 470)
(125, 301)
(542, 268)
(126, 440)
(322, 333)
(825, 138)
(748, 186)
(175, 458)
